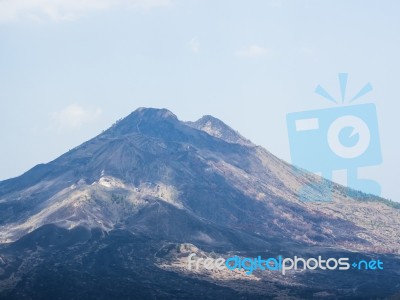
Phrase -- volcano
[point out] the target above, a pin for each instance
(115, 217)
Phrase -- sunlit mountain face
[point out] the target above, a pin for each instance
(116, 218)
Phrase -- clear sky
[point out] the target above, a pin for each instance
(70, 68)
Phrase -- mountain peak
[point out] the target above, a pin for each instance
(153, 113)
(215, 127)
(142, 117)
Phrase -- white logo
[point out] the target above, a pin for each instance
(359, 127)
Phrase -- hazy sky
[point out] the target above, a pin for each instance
(70, 68)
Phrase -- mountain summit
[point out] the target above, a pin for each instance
(143, 116)
(219, 129)
(140, 193)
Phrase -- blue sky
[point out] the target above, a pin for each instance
(70, 68)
